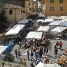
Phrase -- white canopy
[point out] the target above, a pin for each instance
(58, 29)
(65, 19)
(43, 28)
(57, 17)
(34, 35)
(40, 64)
(53, 17)
(63, 23)
(2, 49)
(41, 15)
(40, 20)
(15, 29)
(55, 23)
(52, 65)
(46, 20)
(23, 21)
(49, 20)
(62, 17)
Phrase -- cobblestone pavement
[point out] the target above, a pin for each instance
(51, 55)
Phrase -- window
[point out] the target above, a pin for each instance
(60, 1)
(10, 11)
(61, 8)
(29, 9)
(51, 1)
(51, 8)
(23, 5)
(29, 4)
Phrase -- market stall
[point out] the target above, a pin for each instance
(55, 23)
(62, 60)
(40, 20)
(57, 32)
(15, 29)
(40, 64)
(49, 20)
(62, 17)
(41, 16)
(26, 22)
(58, 29)
(33, 38)
(43, 28)
(14, 33)
(2, 48)
(63, 23)
(44, 21)
(34, 35)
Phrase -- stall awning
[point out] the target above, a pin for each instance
(54, 17)
(62, 17)
(58, 29)
(63, 23)
(34, 35)
(45, 21)
(43, 28)
(40, 64)
(55, 23)
(49, 20)
(2, 48)
(41, 15)
(40, 20)
(25, 21)
(15, 29)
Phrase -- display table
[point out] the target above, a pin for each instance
(62, 59)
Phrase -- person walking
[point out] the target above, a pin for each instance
(31, 64)
(41, 52)
(16, 53)
(28, 53)
(46, 51)
(20, 45)
(60, 45)
(31, 54)
(57, 43)
(24, 62)
(45, 60)
(56, 50)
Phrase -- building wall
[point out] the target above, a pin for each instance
(17, 12)
(28, 7)
(56, 6)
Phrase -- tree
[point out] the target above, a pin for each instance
(3, 21)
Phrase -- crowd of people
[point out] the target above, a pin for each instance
(35, 54)
(38, 53)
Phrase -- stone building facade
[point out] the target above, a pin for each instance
(55, 7)
(16, 10)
